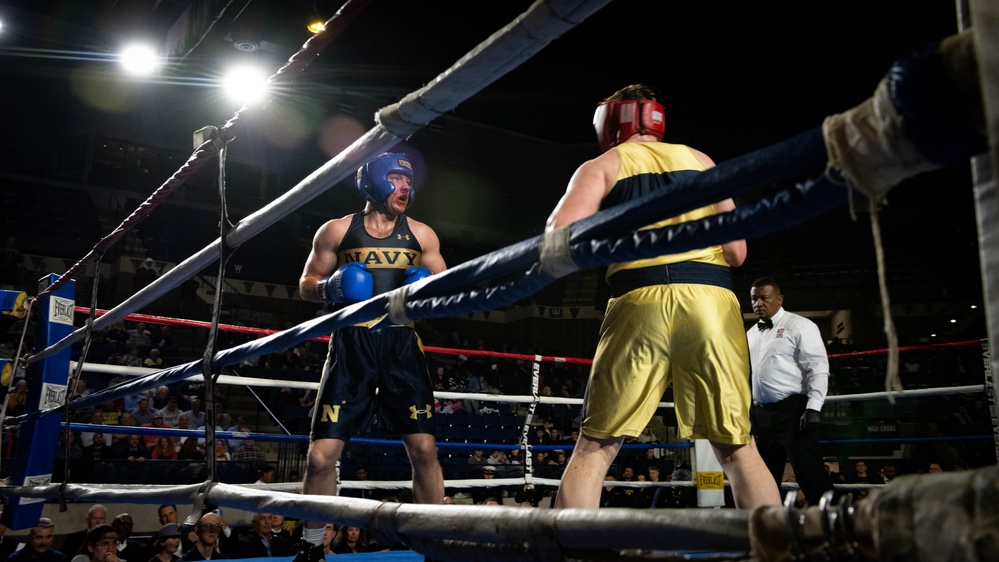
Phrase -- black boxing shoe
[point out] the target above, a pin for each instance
(308, 552)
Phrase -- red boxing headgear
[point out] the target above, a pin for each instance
(617, 121)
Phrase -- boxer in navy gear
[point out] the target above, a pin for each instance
(354, 258)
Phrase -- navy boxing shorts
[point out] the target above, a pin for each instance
(362, 360)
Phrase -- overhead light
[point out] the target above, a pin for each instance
(316, 22)
(246, 85)
(315, 26)
(139, 59)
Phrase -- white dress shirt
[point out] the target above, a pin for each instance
(789, 358)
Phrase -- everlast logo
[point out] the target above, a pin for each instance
(381, 257)
(331, 413)
(414, 412)
(710, 480)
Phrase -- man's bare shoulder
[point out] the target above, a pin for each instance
(337, 224)
(417, 226)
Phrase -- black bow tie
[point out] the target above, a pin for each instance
(765, 324)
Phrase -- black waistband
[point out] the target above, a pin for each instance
(792, 402)
(684, 272)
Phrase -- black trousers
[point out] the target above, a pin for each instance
(779, 439)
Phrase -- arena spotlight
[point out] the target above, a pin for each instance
(139, 59)
(245, 85)
(316, 22)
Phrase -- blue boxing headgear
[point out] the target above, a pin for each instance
(373, 182)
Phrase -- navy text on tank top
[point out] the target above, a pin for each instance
(387, 258)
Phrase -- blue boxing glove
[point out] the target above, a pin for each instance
(351, 283)
(415, 273)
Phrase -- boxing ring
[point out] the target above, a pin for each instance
(891, 523)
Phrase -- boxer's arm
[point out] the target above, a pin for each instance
(431, 244)
(322, 260)
(587, 188)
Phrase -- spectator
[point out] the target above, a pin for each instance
(222, 419)
(860, 475)
(157, 423)
(75, 454)
(196, 415)
(125, 420)
(166, 543)
(888, 473)
(478, 458)
(240, 426)
(610, 496)
(116, 334)
(647, 461)
(38, 547)
(160, 397)
(81, 390)
(657, 495)
(17, 398)
(111, 411)
(935, 467)
(75, 543)
(497, 458)
(248, 451)
(7, 348)
(222, 451)
(647, 436)
(170, 413)
(166, 342)
(683, 496)
(134, 357)
(360, 475)
(143, 414)
(154, 360)
(145, 274)
(206, 544)
(164, 449)
(473, 384)
(96, 418)
(329, 531)
(128, 547)
(260, 542)
(140, 336)
(101, 546)
(266, 475)
(279, 528)
(541, 436)
(131, 455)
(95, 459)
(481, 493)
(353, 539)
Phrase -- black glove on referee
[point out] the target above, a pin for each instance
(810, 420)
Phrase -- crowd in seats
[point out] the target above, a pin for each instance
(497, 424)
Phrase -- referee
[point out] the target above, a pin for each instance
(790, 378)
